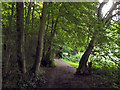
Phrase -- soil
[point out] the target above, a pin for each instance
(63, 76)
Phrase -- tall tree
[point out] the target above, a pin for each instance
(54, 16)
(39, 49)
(20, 37)
(83, 62)
(8, 42)
(46, 61)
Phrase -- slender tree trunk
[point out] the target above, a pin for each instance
(33, 15)
(45, 40)
(8, 42)
(27, 21)
(20, 37)
(28, 14)
(39, 49)
(47, 60)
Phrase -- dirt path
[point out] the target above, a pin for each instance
(62, 76)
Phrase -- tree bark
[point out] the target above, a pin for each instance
(82, 69)
(28, 14)
(33, 14)
(45, 40)
(108, 18)
(39, 49)
(20, 37)
(47, 60)
(8, 42)
(27, 20)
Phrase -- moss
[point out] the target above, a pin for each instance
(52, 61)
(53, 64)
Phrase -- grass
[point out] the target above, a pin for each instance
(105, 72)
(71, 63)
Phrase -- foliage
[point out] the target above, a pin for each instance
(29, 81)
(70, 62)
(107, 71)
(53, 64)
(77, 24)
(116, 85)
(74, 58)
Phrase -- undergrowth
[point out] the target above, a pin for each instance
(106, 72)
(15, 79)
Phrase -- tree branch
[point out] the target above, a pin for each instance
(99, 14)
(109, 16)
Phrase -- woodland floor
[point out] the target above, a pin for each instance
(63, 76)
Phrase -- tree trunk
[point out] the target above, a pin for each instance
(33, 15)
(47, 60)
(45, 40)
(20, 37)
(83, 62)
(27, 21)
(82, 69)
(8, 42)
(28, 14)
(39, 49)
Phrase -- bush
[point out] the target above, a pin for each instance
(53, 64)
(74, 58)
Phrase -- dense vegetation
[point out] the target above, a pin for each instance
(76, 32)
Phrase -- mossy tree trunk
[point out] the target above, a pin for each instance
(39, 49)
(20, 36)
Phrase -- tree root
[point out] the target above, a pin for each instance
(83, 71)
